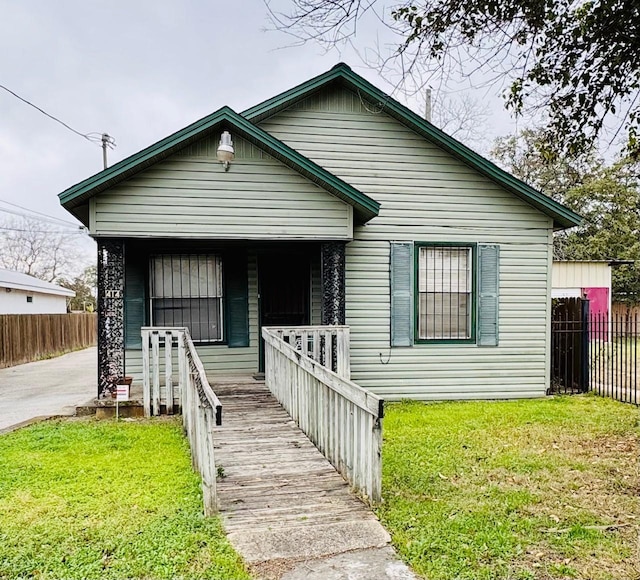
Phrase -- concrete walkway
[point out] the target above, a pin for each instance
(285, 508)
(48, 387)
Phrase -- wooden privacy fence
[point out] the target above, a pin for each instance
(200, 407)
(29, 337)
(342, 419)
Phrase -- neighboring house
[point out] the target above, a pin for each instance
(340, 206)
(590, 279)
(24, 294)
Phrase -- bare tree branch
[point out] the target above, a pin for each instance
(38, 249)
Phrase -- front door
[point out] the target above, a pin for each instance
(284, 280)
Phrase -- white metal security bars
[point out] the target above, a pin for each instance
(186, 291)
(445, 292)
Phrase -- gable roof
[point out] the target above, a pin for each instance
(364, 207)
(562, 216)
(20, 281)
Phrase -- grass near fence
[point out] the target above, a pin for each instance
(88, 499)
(537, 489)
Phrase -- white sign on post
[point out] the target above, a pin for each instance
(122, 392)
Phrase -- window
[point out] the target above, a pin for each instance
(29, 298)
(445, 292)
(186, 290)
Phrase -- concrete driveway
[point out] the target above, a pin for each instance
(48, 387)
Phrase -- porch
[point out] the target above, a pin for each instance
(225, 292)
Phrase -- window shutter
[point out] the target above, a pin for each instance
(488, 299)
(234, 273)
(402, 306)
(134, 301)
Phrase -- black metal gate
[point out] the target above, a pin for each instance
(596, 352)
(570, 345)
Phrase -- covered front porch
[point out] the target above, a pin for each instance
(224, 292)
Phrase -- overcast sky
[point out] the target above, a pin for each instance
(138, 71)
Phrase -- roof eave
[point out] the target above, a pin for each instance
(562, 216)
(364, 207)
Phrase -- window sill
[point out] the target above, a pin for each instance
(445, 341)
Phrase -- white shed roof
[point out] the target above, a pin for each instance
(19, 281)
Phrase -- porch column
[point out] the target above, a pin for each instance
(332, 257)
(110, 315)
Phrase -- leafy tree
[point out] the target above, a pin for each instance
(85, 287)
(525, 156)
(609, 201)
(576, 61)
(607, 196)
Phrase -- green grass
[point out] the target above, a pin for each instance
(513, 490)
(89, 499)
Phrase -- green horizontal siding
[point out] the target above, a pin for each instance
(189, 195)
(427, 195)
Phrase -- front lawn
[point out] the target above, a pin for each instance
(538, 489)
(88, 499)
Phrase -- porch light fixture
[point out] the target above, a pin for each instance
(225, 150)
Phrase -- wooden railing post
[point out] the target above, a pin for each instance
(168, 363)
(155, 373)
(208, 467)
(146, 384)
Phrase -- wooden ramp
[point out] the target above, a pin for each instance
(281, 501)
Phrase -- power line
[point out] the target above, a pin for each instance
(91, 137)
(38, 213)
(81, 233)
(36, 218)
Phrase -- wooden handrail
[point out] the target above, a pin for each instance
(341, 418)
(328, 345)
(208, 395)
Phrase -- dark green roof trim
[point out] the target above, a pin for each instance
(562, 216)
(364, 207)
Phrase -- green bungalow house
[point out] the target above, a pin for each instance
(333, 204)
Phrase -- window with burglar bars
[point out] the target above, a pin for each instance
(445, 290)
(186, 290)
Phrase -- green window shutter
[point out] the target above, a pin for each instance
(134, 301)
(488, 297)
(236, 287)
(402, 307)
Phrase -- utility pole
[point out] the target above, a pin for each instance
(427, 105)
(107, 141)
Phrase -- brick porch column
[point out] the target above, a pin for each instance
(110, 314)
(332, 258)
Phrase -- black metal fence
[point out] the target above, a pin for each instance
(594, 351)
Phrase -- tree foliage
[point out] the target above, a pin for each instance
(577, 61)
(607, 196)
(85, 287)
